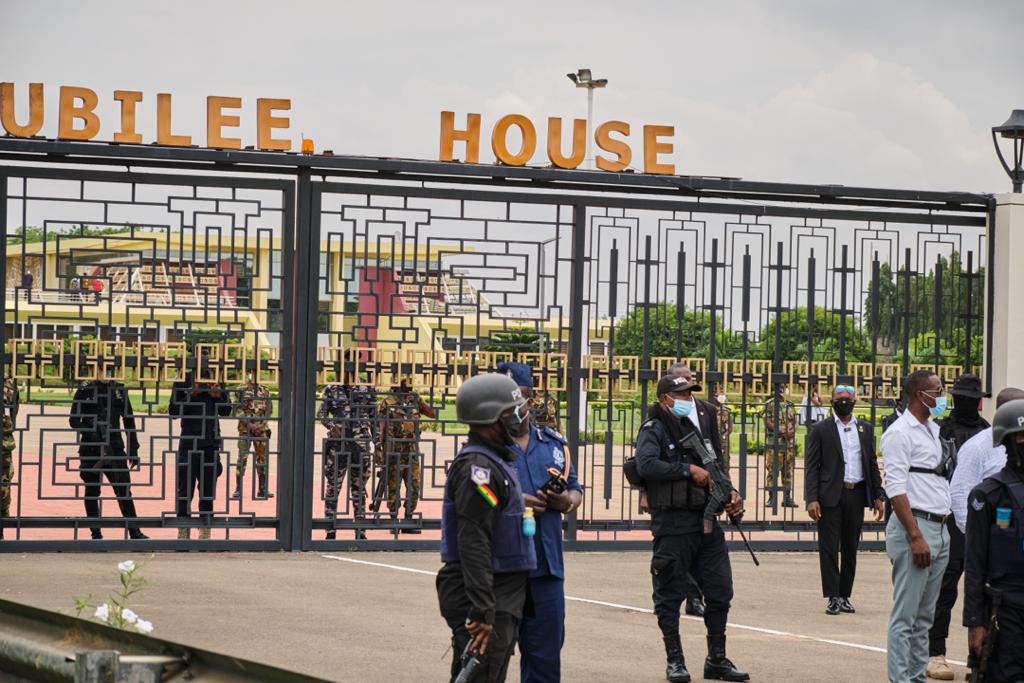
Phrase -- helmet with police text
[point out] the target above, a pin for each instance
(482, 399)
(1009, 420)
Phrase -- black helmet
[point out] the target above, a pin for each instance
(1009, 420)
(482, 399)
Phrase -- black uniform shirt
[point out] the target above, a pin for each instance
(981, 516)
(96, 414)
(655, 461)
(488, 593)
(199, 413)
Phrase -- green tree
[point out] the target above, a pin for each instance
(29, 233)
(516, 339)
(666, 332)
(825, 339)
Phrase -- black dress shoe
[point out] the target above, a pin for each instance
(96, 534)
(137, 535)
(330, 535)
(695, 606)
(846, 606)
(360, 535)
(834, 606)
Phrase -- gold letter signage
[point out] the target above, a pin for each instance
(656, 142)
(77, 118)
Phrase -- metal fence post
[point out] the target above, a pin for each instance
(575, 360)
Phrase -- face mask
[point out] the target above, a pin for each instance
(516, 426)
(842, 407)
(681, 408)
(1014, 453)
(939, 409)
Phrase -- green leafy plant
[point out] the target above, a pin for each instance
(114, 611)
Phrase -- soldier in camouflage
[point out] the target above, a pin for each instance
(724, 428)
(253, 407)
(780, 448)
(7, 456)
(399, 452)
(544, 411)
(350, 415)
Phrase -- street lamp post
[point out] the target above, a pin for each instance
(583, 79)
(1013, 129)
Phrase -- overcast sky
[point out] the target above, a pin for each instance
(875, 92)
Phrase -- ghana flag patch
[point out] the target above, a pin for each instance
(485, 491)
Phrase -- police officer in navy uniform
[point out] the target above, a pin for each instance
(486, 551)
(677, 495)
(994, 567)
(539, 451)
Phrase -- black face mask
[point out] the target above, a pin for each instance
(843, 407)
(515, 427)
(1014, 453)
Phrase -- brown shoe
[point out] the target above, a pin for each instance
(183, 534)
(938, 669)
(204, 534)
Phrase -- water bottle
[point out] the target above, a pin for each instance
(529, 523)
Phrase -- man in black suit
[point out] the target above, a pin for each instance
(841, 479)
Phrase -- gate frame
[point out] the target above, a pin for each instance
(579, 189)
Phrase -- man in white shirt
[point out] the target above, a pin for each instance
(916, 537)
(977, 460)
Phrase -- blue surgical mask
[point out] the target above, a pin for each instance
(681, 408)
(939, 409)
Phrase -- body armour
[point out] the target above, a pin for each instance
(511, 551)
(676, 494)
(1006, 546)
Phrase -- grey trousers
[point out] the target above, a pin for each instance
(915, 591)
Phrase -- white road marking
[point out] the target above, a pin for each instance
(644, 610)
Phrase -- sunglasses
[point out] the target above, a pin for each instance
(844, 387)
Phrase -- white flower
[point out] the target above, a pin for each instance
(129, 616)
(144, 626)
(126, 566)
(102, 612)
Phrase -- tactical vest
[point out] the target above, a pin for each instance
(511, 551)
(1006, 546)
(678, 494)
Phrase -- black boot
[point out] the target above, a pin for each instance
(96, 534)
(675, 670)
(717, 666)
(239, 477)
(413, 530)
(787, 500)
(261, 476)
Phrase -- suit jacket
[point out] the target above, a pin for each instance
(824, 465)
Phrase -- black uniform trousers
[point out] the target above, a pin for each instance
(510, 592)
(947, 594)
(838, 538)
(92, 469)
(706, 558)
(198, 465)
(1006, 665)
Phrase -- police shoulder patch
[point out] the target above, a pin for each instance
(978, 504)
(551, 432)
(479, 475)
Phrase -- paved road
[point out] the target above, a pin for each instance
(355, 619)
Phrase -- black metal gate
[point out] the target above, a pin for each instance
(259, 283)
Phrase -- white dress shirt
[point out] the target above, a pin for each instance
(912, 443)
(976, 460)
(853, 472)
(694, 417)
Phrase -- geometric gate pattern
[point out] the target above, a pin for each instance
(225, 360)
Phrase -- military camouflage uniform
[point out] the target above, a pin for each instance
(253, 407)
(784, 437)
(725, 430)
(544, 407)
(400, 456)
(353, 411)
(7, 457)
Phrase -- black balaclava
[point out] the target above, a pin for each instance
(965, 410)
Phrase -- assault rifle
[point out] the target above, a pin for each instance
(721, 488)
(471, 660)
(978, 672)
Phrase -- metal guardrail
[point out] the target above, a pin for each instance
(40, 645)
